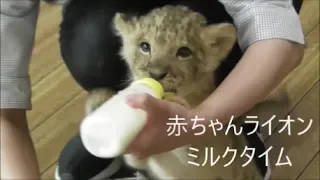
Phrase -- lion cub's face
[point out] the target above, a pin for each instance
(173, 45)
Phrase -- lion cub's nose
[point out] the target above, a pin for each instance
(158, 76)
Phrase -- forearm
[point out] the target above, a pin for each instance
(264, 65)
(18, 158)
(271, 36)
(18, 24)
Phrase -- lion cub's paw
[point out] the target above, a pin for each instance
(172, 97)
(96, 98)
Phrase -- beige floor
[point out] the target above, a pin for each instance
(58, 101)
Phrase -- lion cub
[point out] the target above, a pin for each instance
(177, 47)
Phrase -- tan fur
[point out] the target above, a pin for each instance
(97, 97)
(166, 30)
(189, 81)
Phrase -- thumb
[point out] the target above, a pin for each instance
(142, 101)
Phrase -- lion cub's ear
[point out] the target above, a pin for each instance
(124, 23)
(218, 41)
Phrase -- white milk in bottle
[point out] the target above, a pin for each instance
(107, 131)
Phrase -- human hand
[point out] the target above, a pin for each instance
(154, 138)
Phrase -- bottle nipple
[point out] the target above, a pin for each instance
(155, 85)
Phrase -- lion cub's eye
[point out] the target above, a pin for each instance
(145, 48)
(184, 52)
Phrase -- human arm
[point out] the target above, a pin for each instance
(18, 157)
(252, 80)
(18, 22)
(270, 34)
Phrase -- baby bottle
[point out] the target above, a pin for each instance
(107, 131)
